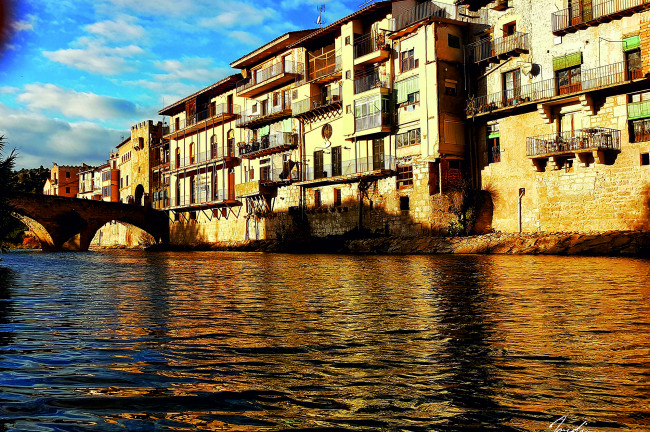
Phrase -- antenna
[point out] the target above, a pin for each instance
(320, 10)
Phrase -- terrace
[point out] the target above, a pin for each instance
(374, 166)
(371, 48)
(586, 14)
(318, 104)
(325, 67)
(588, 80)
(268, 144)
(587, 144)
(267, 112)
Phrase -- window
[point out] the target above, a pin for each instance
(348, 75)
(404, 176)
(453, 41)
(254, 108)
(337, 197)
(127, 180)
(638, 112)
(645, 159)
(276, 98)
(67, 174)
(450, 87)
(337, 161)
(509, 29)
(408, 60)
(404, 204)
(640, 130)
(347, 40)
(454, 164)
(368, 112)
(317, 199)
(348, 109)
(567, 72)
(67, 190)
(493, 144)
(318, 165)
(511, 85)
(408, 138)
(408, 91)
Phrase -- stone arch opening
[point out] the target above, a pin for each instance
(118, 233)
(139, 195)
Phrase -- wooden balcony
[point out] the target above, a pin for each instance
(581, 16)
(264, 80)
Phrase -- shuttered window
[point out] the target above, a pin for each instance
(567, 61)
(405, 87)
(631, 43)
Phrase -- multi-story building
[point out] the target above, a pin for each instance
(89, 186)
(160, 174)
(559, 113)
(134, 156)
(63, 181)
(110, 179)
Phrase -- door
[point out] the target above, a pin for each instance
(318, 165)
(512, 85)
(231, 184)
(230, 104)
(378, 154)
(337, 162)
(570, 131)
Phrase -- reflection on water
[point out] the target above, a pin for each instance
(249, 342)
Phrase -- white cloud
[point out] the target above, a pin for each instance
(97, 58)
(157, 7)
(75, 104)
(22, 26)
(245, 37)
(236, 14)
(119, 30)
(40, 140)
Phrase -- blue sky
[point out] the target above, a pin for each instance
(76, 74)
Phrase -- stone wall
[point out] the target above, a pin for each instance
(118, 234)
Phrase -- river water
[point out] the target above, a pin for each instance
(124, 340)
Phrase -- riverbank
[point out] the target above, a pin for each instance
(614, 243)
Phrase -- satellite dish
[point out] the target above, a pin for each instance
(526, 68)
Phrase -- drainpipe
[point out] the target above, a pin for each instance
(522, 192)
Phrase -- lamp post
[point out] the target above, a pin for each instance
(522, 192)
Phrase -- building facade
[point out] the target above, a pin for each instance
(558, 112)
(64, 180)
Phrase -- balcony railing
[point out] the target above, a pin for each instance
(582, 15)
(203, 194)
(369, 43)
(325, 64)
(321, 100)
(268, 144)
(636, 110)
(573, 141)
(354, 166)
(498, 49)
(215, 153)
(371, 81)
(191, 120)
(372, 121)
(589, 79)
(421, 12)
(266, 112)
(261, 75)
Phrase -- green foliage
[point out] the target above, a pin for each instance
(466, 210)
(7, 189)
(31, 180)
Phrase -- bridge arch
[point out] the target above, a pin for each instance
(71, 223)
(139, 195)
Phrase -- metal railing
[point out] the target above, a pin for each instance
(190, 120)
(267, 110)
(597, 138)
(268, 142)
(318, 101)
(485, 49)
(639, 109)
(368, 43)
(603, 76)
(216, 152)
(261, 75)
(581, 13)
(421, 12)
(371, 80)
(353, 166)
(372, 121)
(325, 64)
(278, 172)
(203, 194)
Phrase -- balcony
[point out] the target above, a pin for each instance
(588, 80)
(270, 177)
(596, 142)
(216, 154)
(267, 112)
(371, 48)
(270, 144)
(203, 120)
(411, 19)
(373, 123)
(638, 110)
(204, 198)
(317, 105)
(493, 51)
(372, 80)
(263, 80)
(376, 166)
(582, 15)
(325, 68)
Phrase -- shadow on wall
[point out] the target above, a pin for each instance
(643, 224)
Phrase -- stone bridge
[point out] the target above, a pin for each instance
(71, 223)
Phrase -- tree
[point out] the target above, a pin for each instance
(7, 187)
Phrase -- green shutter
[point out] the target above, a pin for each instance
(567, 61)
(286, 125)
(265, 130)
(638, 110)
(405, 87)
(631, 43)
(493, 135)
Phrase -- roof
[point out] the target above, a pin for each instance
(228, 83)
(126, 140)
(275, 46)
(336, 24)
